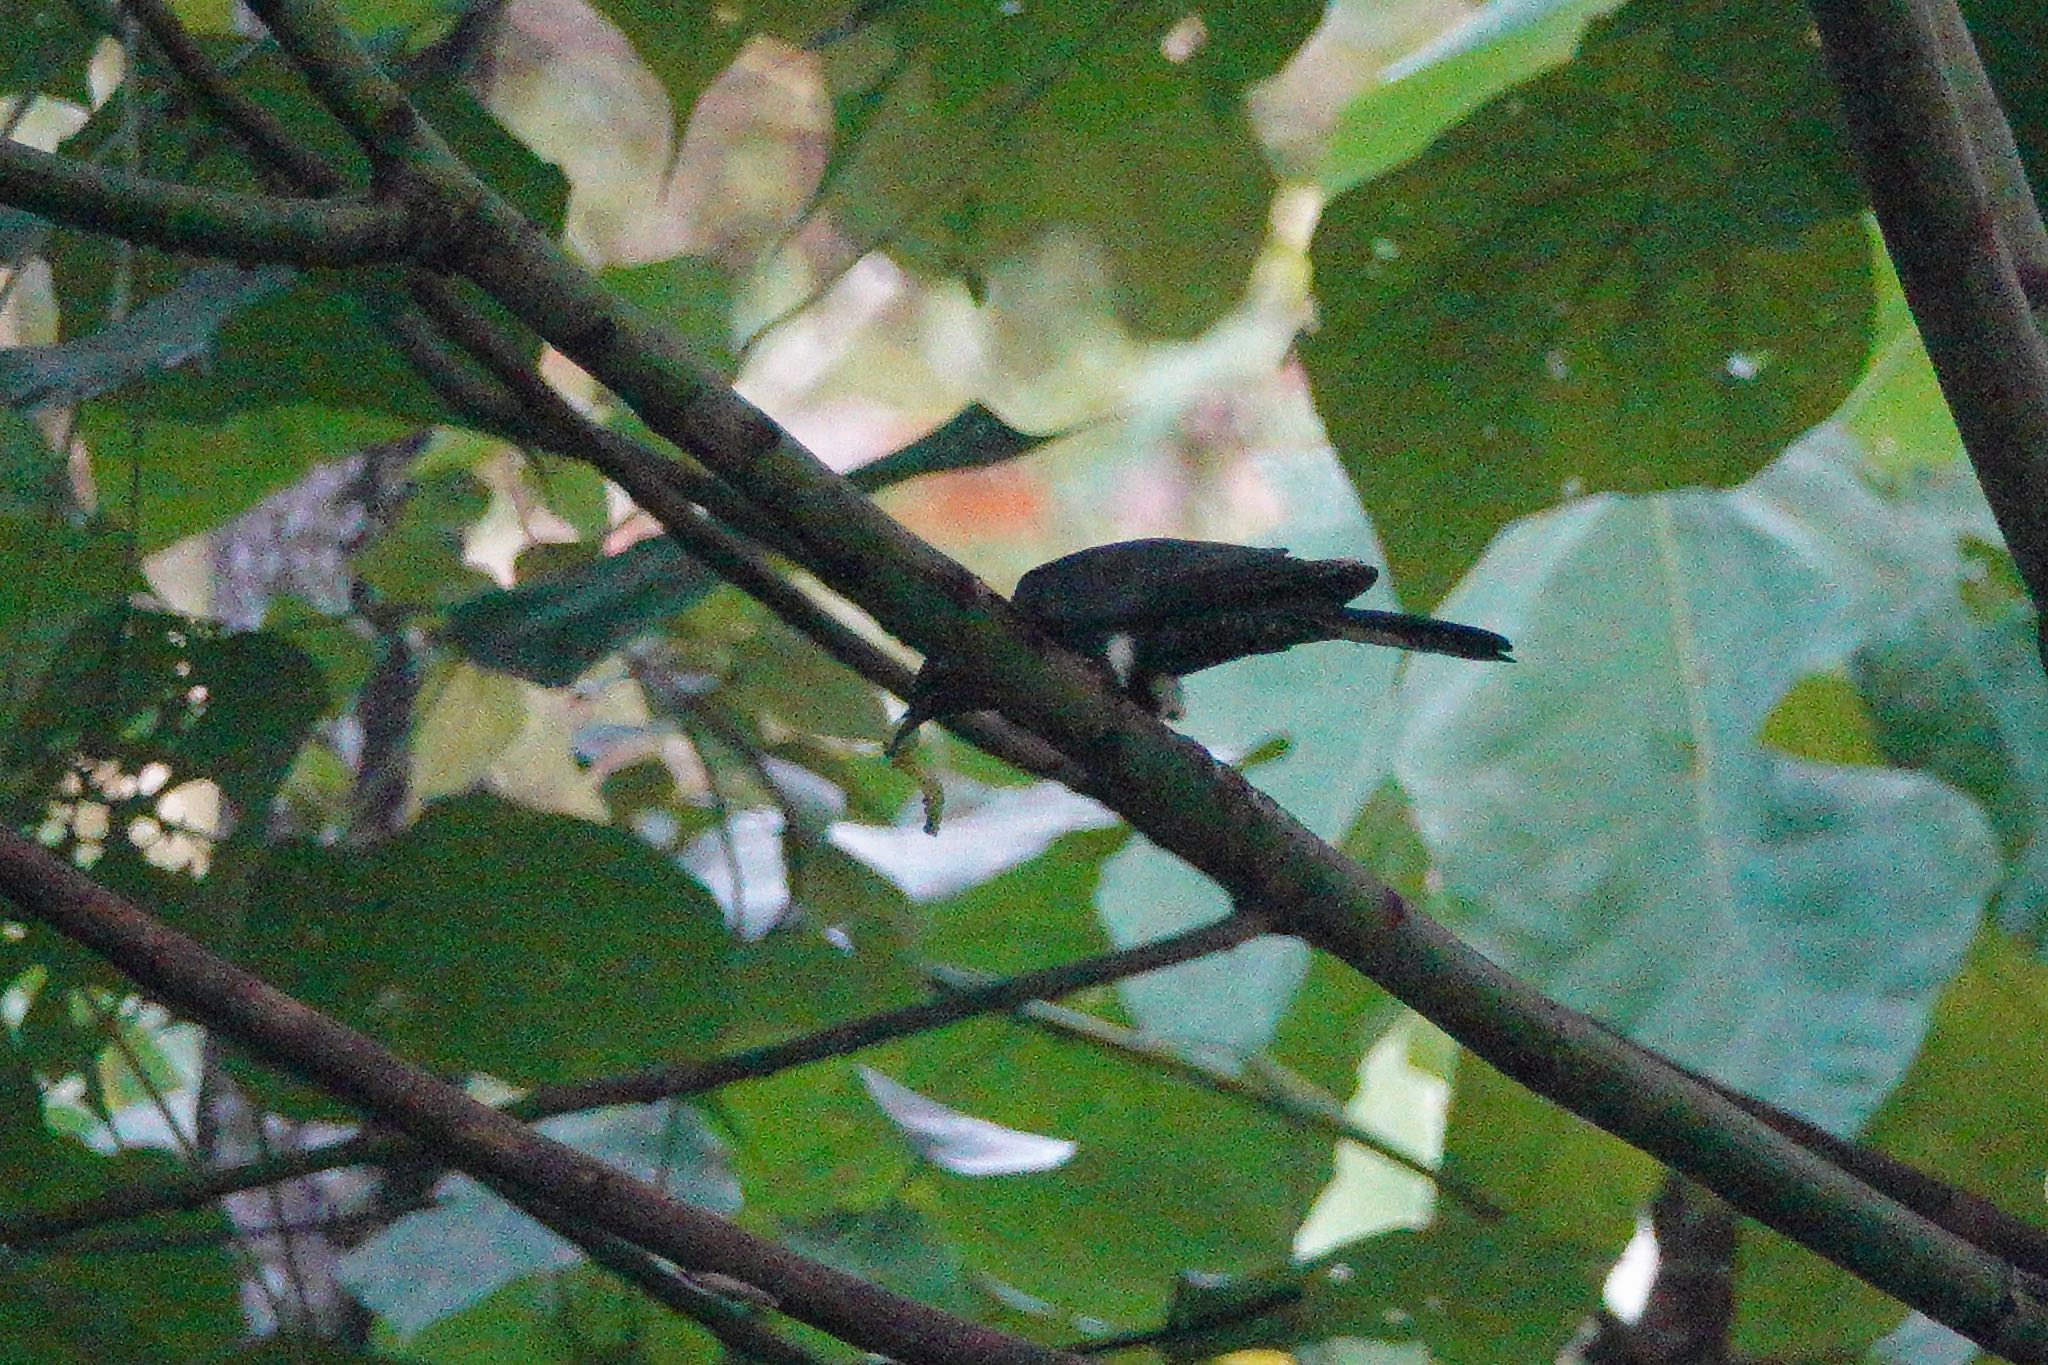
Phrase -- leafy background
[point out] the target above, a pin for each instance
(1597, 349)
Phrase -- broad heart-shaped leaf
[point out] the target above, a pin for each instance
(1626, 843)
(1124, 121)
(149, 755)
(175, 1304)
(441, 1260)
(1640, 271)
(491, 938)
(1330, 700)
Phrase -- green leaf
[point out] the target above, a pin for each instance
(843, 955)
(1975, 1090)
(551, 631)
(1087, 1237)
(892, 1245)
(33, 482)
(171, 478)
(47, 48)
(1474, 1293)
(490, 938)
(435, 1263)
(91, 1309)
(1643, 270)
(1963, 698)
(1789, 923)
(39, 608)
(1502, 43)
(993, 126)
(974, 438)
(688, 295)
(303, 374)
(688, 46)
(1556, 1176)
(418, 561)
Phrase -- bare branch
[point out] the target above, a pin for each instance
(476, 1138)
(1943, 234)
(224, 224)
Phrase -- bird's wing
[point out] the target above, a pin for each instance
(1137, 581)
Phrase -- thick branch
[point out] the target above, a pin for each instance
(1943, 234)
(473, 1136)
(224, 224)
(1998, 154)
(1170, 788)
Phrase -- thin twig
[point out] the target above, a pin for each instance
(1261, 1082)
(649, 1084)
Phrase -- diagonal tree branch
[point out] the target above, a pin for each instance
(1997, 154)
(226, 224)
(1169, 788)
(545, 1175)
(1943, 232)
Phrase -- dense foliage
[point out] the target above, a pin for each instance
(1597, 348)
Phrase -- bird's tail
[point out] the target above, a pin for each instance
(1424, 633)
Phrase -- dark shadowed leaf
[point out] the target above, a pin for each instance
(493, 938)
(47, 47)
(552, 630)
(150, 756)
(94, 1309)
(974, 438)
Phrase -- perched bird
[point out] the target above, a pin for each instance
(1153, 611)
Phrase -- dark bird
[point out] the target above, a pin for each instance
(1153, 611)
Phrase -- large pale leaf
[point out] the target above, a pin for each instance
(1640, 271)
(1627, 844)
